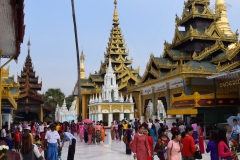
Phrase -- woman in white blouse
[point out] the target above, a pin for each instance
(28, 148)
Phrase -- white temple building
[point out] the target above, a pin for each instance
(62, 113)
(109, 105)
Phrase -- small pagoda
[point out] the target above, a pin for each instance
(203, 45)
(30, 101)
(118, 52)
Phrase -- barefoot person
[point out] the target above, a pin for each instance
(66, 136)
(52, 139)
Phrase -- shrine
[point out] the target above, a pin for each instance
(203, 45)
(121, 65)
(110, 105)
(30, 102)
(62, 112)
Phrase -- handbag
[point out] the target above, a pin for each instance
(233, 135)
(198, 155)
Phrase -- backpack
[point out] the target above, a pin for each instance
(30, 155)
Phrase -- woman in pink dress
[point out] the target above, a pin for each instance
(72, 127)
(33, 129)
(150, 142)
(140, 146)
(81, 131)
(201, 139)
(174, 147)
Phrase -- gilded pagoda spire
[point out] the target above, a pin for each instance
(29, 44)
(115, 15)
(82, 68)
(223, 23)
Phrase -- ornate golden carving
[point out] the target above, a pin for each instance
(209, 50)
(228, 66)
(232, 52)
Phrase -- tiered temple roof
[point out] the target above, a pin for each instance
(117, 51)
(28, 81)
(206, 45)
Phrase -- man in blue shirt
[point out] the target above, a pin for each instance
(66, 136)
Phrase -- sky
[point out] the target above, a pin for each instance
(145, 25)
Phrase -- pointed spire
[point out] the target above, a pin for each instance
(222, 23)
(115, 15)
(82, 67)
(110, 69)
(29, 44)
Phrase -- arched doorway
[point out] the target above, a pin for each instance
(26, 116)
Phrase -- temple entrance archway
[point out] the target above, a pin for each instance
(105, 119)
(116, 116)
(26, 116)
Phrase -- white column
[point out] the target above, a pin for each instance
(110, 119)
(100, 116)
(142, 119)
(131, 116)
(96, 117)
(121, 116)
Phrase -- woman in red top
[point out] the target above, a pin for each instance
(187, 141)
(150, 142)
(223, 149)
(201, 139)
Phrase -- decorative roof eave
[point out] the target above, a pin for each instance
(11, 99)
(209, 34)
(209, 50)
(227, 67)
(178, 57)
(87, 84)
(92, 91)
(233, 52)
(148, 66)
(167, 65)
(207, 13)
(190, 2)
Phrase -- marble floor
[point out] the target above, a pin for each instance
(105, 151)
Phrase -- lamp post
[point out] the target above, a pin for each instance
(77, 52)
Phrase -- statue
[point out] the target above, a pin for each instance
(160, 110)
(149, 109)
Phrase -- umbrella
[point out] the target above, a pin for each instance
(230, 120)
(69, 118)
(87, 121)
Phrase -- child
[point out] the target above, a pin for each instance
(59, 153)
(16, 139)
(37, 140)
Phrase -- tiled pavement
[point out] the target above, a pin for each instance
(105, 151)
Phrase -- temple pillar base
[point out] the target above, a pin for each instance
(110, 119)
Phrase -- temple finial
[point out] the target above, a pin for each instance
(115, 15)
(29, 44)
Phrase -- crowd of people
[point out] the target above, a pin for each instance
(143, 140)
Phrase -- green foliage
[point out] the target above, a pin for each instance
(53, 96)
(69, 101)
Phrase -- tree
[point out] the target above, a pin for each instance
(52, 97)
(69, 101)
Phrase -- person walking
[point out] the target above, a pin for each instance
(223, 149)
(81, 131)
(174, 146)
(116, 130)
(140, 146)
(66, 136)
(181, 127)
(85, 133)
(90, 130)
(98, 131)
(195, 132)
(150, 142)
(187, 141)
(136, 125)
(161, 144)
(201, 139)
(128, 134)
(125, 126)
(103, 132)
(52, 139)
(72, 127)
(112, 130)
(120, 130)
(153, 133)
(212, 146)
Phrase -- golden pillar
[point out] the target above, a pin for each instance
(41, 113)
(83, 106)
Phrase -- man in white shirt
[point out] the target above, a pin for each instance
(41, 129)
(3, 131)
(66, 136)
(52, 139)
(150, 123)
